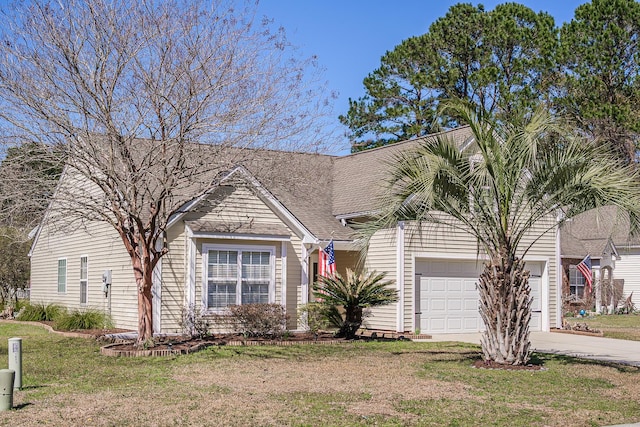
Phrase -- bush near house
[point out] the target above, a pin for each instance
(258, 320)
(315, 317)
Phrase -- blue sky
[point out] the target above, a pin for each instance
(350, 36)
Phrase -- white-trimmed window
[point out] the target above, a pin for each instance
(237, 275)
(83, 279)
(576, 282)
(62, 275)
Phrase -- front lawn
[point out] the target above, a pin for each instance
(621, 326)
(67, 382)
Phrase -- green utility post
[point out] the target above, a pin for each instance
(6, 389)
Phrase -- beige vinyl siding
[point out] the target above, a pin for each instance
(174, 269)
(626, 267)
(294, 280)
(241, 205)
(347, 259)
(381, 257)
(104, 250)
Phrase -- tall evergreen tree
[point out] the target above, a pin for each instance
(600, 57)
(500, 60)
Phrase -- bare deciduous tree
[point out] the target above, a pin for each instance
(151, 100)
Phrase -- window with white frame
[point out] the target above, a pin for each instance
(576, 282)
(62, 275)
(83, 279)
(237, 275)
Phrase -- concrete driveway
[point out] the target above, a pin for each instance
(597, 348)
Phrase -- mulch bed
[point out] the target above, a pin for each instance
(487, 364)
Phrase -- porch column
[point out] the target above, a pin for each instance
(190, 271)
(304, 280)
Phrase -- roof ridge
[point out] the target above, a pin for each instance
(404, 142)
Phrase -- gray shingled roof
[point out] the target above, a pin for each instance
(589, 233)
(359, 178)
(327, 186)
(306, 191)
(315, 188)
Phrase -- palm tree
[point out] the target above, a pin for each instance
(354, 292)
(502, 187)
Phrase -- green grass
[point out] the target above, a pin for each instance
(621, 326)
(68, 382)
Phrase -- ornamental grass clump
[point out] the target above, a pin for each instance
(82, 319)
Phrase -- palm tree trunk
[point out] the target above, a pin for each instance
(505, 308)
(352, 322)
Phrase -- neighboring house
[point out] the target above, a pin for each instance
(615, 256)
(248, 241)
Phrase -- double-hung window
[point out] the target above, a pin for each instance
(62, 275)
(237, 275)
(83, 279)
(576, 283)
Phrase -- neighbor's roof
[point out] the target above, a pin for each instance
(589, 233)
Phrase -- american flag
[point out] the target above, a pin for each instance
(585, 268)
(327, 261)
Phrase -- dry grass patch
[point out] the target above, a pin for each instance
(369, 384)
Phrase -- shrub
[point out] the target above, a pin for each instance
(40, 312)
(258, 320)
(194, 324)
(316, 317)
(85, 319)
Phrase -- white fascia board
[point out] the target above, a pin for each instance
(356, 215)
(230, 236)
(613, 248)
(38, 229)
(339, 245)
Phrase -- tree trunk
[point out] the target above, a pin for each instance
(144, 282)
(505, 308)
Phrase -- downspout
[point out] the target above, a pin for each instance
(400, 276)
(156, 290)
(559, 275)
(283, 275)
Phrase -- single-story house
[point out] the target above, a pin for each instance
(604, 235)
(267, 237)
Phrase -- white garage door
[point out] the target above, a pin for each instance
(447, 298)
